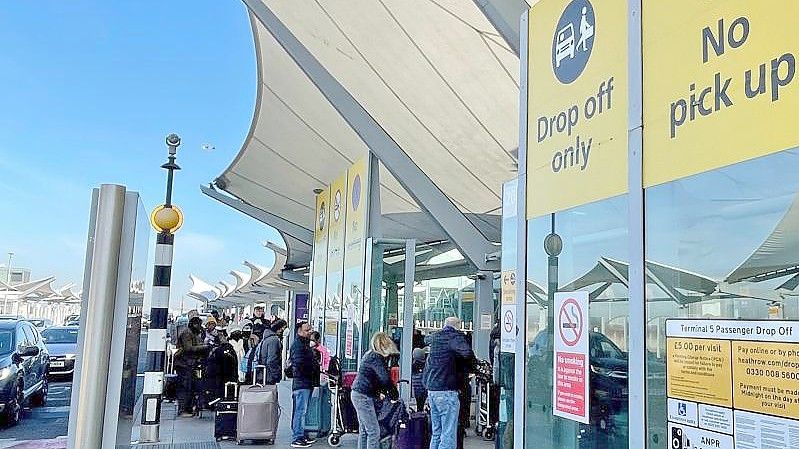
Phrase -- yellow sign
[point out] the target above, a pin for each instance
(319, 265)
(166, 219)
(357, 213)
(699, 370)
(766, 378)
(338, 213)
(322, 215)
(719, 84)
(577, 103)
(509, 287)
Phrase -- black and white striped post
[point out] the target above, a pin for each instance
(166, 219)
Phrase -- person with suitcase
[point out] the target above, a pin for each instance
(270, 355)
(373, 380)
(189, 354)
(222, 368)
(305, 372)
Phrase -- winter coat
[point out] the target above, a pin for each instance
(374, 377)
(271, 356)
(304, 366)
(450, 358)
(191, 349)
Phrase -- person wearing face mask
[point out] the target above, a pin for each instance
(190, 352)
(322, 354)
(270, 354)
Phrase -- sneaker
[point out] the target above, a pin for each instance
(300, 443)
(310, 440)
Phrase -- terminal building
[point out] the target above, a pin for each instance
(604, 192)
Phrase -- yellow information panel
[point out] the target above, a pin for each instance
(719, 84)
(733, 382)
(699, 370)
(577, 103)
(335, 262)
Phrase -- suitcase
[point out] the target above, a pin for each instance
(170, 387)
(258, 412)
(317, 421)
(413, 432)
(226, 413)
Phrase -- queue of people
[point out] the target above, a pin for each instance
(209, 356)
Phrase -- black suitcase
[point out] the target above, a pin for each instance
(226, 414)
(170, 387)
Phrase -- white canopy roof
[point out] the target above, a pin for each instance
(434, 74)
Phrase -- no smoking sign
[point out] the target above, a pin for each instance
(570, 322)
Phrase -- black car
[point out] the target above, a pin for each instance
(62, 344)
(24, 362)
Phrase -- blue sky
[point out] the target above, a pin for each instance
(89, 90)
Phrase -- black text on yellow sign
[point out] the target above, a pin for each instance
(720, 84)
(577, 155)
(704, 100)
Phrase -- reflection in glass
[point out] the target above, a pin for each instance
(588, 254)
(721, 244)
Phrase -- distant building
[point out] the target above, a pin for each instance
(18, 275)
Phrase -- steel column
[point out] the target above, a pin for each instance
(483, 305)
(406, 359)
(636, 233)
(520, 381)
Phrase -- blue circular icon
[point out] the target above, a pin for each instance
(574, 40)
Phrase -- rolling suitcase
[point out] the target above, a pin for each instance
(413, 432)
(258, 412)
(170, 387)
(226, 414)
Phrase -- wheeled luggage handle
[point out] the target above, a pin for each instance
(235, 390)
(255, 376)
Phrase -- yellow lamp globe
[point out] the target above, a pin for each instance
(166, 219)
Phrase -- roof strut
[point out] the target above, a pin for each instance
(463, 233)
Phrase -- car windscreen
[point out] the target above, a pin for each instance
(60, 335)
(6, 342)
(37, 323)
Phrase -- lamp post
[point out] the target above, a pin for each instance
(166, 219)
(8, 282)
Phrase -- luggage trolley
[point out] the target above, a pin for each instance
(343, 419)
(487, 397)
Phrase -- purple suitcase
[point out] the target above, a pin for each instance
(414, 432)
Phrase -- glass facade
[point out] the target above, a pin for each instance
(593, 259)
(719, 245)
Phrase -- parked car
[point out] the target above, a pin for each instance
(72, 320)
(24, 362)
(41, 323)
(62, 344)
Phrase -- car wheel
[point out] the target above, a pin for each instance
(14, 411)
(39, 398)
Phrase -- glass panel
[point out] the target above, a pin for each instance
(592, 260)
(720, 245)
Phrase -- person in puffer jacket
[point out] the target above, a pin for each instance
(270, 355)
(373, 380)
(451, 359)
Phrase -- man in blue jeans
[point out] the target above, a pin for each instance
(450, 356)
(305, 372)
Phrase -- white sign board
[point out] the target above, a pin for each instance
(508, 328)
(571, 397)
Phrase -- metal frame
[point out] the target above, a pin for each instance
(520, 381)
(463, 233)
(636, 233)
(406, 359)
(506, 30)
(300, 233)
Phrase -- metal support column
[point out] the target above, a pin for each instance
(520, 381)
(483, 308)
(637, 283)
(86, 429)
(407, 320)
